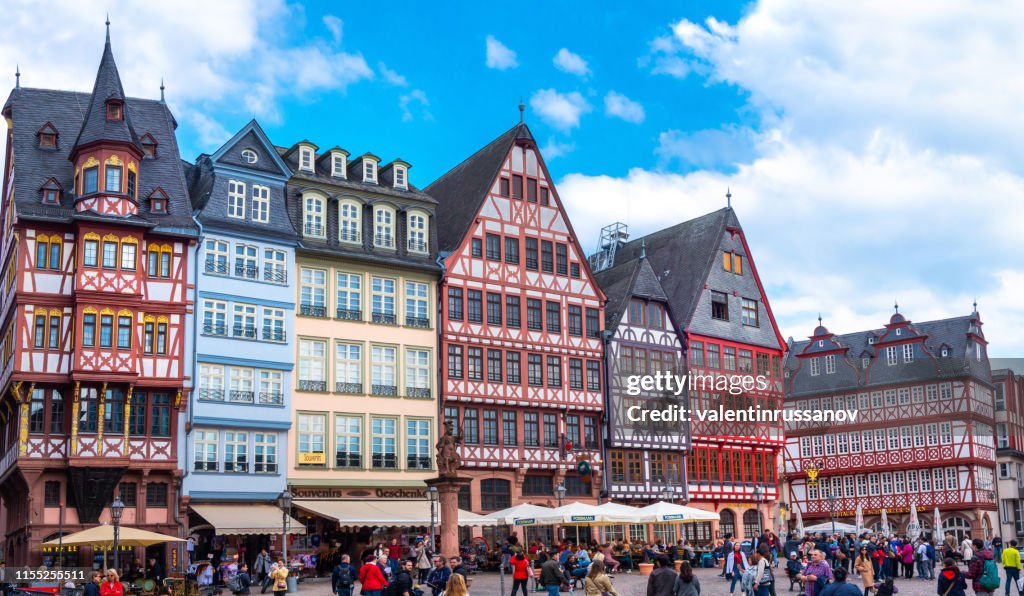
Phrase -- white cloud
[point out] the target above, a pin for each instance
(618, 105)
(335, 26)
(554, 149)
(391, 77)
(415, 98)
(499, 55)
(571, 63)
(560, 110)
(871, 173)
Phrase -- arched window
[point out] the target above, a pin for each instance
(350, 221)
(957, 526)
(751, 523)
(727, 523)
(313, 215)
(416, 226)
(495, 494)
(384, 227)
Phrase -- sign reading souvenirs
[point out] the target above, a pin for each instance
(351, 493)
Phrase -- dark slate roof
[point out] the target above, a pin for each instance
(682, 256)
(96, 126)
(353, 182)
(462, 189)
(957, 334)
(624, 281)
(31, 108)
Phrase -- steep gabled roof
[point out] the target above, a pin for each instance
(622, 282)
(96, 126)
(681, 257)
(461, 191)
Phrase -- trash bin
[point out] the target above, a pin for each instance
(293, 584)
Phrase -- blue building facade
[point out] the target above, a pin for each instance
(234, 441)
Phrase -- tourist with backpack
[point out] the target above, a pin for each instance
(983, 572)
(951, 581)
(343, 577)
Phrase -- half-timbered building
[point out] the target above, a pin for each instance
(723, 319)
(244, 336)
(521, 325)
(96, 244)
(923, 434)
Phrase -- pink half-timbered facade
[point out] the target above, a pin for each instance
(97, 229)
(923, 435)
(521, 324)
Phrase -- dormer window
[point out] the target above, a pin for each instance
(400, 177)
(115, 110)
(47, 136)
(158, 202)
(871, 340)
(51, 192)
(369, 171)
(148, 146)
(384, 227)
(338, 164)
(945, 352)
(306, 158)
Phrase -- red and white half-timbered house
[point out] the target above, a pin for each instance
(923, 434)
(522, 318)
(97, 226)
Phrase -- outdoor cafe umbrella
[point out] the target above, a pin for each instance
(664, 512)
(885, 523)
(103, 536)
(860, 521)
(937, 524)
(914, 527)
(799, 523)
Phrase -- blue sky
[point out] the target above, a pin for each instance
(873, 150)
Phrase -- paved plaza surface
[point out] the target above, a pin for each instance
(634, 584)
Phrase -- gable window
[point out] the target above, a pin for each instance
(544, 200)
(369, 171)
(719, 306)
(531, 253)
(249, 156)
(531, 190)
(890, 356)
(561, 259)
(417, 231)
(236, 199)
(517, 186)
(383, 227)
(455, 304)
(313, 215)
(503, 187)
(112, 178)
(148, 146)
(260, 203)
(306, 159)
(47, 137)
(547, 256)
(511, 250)
(474, 306)
(593, 322)
(114, 110)
(338, 164)
(349, 221)
(815, 367)
(493, 247)
(51, 196)
(158, 202)
(908, 352)
(90, 180)
(400, 177)
(830, 364)
(749, 314)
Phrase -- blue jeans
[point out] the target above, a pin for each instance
(1012, 573)
(924, 569)
(372, 593)
(737, 578)
(393, 565)
(553, 589)
(763, 590)
(345, 591)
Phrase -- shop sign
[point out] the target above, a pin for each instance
(361, 493)
(312, 458)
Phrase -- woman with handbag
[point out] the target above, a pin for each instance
(279, 579)
(597, 583)
(865, 569)
(735, 565)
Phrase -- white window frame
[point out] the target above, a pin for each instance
(271, 382)
(275, 261)
(891, 358)
(339, 163)
(830, 364)
(855, 441)
(349, 291)
(242, 379)
(417, 368)
(382, 300)
(312, 360)
(815, 367)
(260, 203)
(383, 226)
(401, 177)
(417, 440)
(862, 485)
(313, 211)
(908, 353)
(312, 287)
(912, 486)
(207, 449)
(348, 431)
(220, 251)
(369, 171)
(926, 480)
(247, 153)
(312, 433)
(348, 362)
(273, 321)
(246, 256)
(306, 158)
(244, 316)
(417, 300)
(350, 221)
(215, 313)
(236, 450)
(211, 379)
(236, 199)
(416, 230)
(384, 365)
(382, 437)
(265, 448)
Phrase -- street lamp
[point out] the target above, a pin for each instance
(758, 499)
(284, 501)
(432, 495)
(116, 509)
(832, 511)
(667, 494)
(560, 493)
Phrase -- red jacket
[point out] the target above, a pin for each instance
(111, 589)
(520, 569)
(370, 576)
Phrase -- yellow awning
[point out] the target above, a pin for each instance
(385, 513)
(103, 536)
(238, 519)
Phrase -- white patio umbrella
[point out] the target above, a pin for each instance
(937, 524)
(826, 527)
(663, 512)
(860, 520)
(799, 522)
(885, 523)
(914, 527)
(520, 515)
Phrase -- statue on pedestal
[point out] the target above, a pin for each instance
(448, 460)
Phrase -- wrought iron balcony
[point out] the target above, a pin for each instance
(384, 318)
(384, 460)
(352, 388)
(215, 329)
(275, 274)
(384, 241)
(264, 468)
(313, 230)
(420, 392)
(239, 396)
(270, 398)
(216, 267)
(312, 386)
(416, 246)
(206, 466)
(418, 462)
(384, 390)
(418, 322)
(236, 467)
(348, 314)
(310, 310)
(211, 394)
(246, 331)
(273, 334)
(246, 271)
(344, 459)
(351, 236)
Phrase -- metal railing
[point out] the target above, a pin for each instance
(384, 318)
(211, 394)
(313, 230)
(264, 468)
(246, 331)
(416, 246)
(246, 271)
(273, 334)
(384, 390)
(214, 329)
(275, 274)
(236, 467)
(216, 267)
(312, 386)
(270, 398)
(353, 388)
(239, 396)
(419, 392)
(310, 310)
(348, 314)
(418, 322)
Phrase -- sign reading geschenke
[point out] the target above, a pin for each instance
(321, 492)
